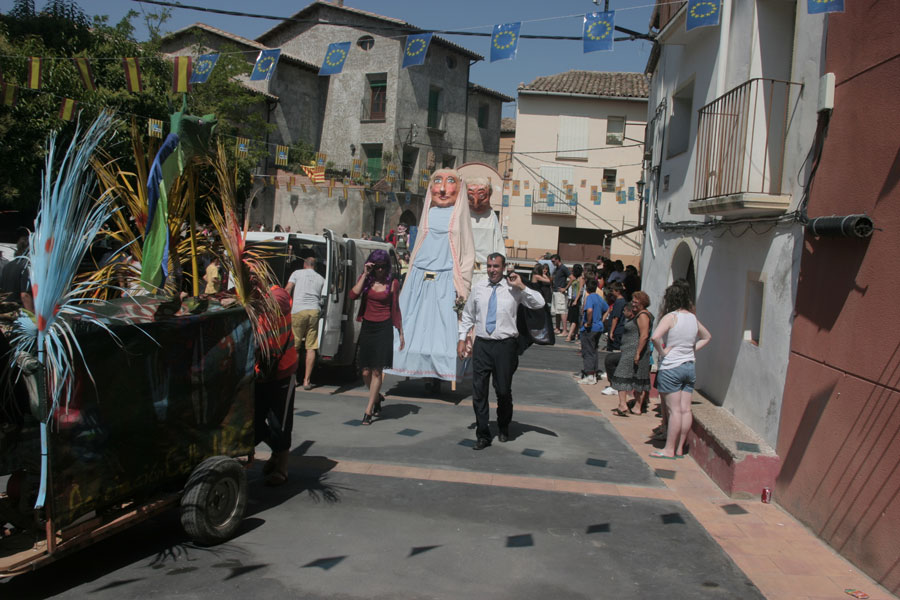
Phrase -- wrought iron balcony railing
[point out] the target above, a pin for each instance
(741, 140)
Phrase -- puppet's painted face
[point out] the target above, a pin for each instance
(479, 197)
(444, 189)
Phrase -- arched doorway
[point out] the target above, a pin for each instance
(408, 218)
(683, 267)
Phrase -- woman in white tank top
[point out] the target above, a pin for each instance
(676, 338)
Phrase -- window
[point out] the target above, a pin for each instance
(375, 103)
(484, 113)
(572, 139)
(451, 62)
(680, 121)
(366, 42)
(448, 161)
(615, 131)
(434, 103)
(753, 305)
(410, 154)
(609, 180)
(373, 160)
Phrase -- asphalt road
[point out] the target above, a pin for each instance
(347, 533)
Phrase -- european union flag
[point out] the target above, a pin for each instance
(334, 58)
(505, 41)
(814, 7)
(416, 49)
(203, 67)
(703, 13)
(265, 65)
(598, 31)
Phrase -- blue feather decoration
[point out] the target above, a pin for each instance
(66, 224)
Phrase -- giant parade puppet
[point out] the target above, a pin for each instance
(481, 182)
(437, 284)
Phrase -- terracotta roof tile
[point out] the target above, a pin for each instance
(592, 83)
(400, 26)
(489, 92)
(240, 40)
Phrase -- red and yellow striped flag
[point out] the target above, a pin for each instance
(83, 66)
(181, 74)
(132, 74)
(8, 94)
(33, 73)
(155, 128)
(67, 109)
(242, 146)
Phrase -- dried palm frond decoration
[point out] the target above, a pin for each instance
(127, 226)
(250, 274)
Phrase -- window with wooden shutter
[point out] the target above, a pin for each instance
(572, 139)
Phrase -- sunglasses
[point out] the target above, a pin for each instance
(381, 267)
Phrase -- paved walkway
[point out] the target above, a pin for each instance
(572, 506)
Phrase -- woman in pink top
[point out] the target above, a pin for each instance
(379, 312)
(676, 338)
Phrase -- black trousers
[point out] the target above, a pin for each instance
(500, 359)
(274, 413)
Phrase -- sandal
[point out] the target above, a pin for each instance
(377, 409)
(619, 413)
(276, 478)
(367, 419)
(659, 454)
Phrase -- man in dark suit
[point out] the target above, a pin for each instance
(491, 309)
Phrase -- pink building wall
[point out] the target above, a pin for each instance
(839, 436)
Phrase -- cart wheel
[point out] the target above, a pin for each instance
(214, 500)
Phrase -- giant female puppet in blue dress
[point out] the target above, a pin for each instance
(439, 278)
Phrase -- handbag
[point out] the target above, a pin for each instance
(536, 324)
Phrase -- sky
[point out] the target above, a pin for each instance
(534, 58)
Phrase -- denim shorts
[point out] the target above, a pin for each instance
(676, 379)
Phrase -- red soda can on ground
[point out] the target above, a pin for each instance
(766, 496)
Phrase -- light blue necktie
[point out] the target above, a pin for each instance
(491, 323)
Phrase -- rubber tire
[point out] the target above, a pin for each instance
(214, 500)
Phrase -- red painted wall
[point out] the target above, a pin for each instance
(839, 436)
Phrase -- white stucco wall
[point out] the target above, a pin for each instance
(757, 39)
(537, 127)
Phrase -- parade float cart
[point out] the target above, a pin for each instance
(154, 419)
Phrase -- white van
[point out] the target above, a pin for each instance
(340, 261)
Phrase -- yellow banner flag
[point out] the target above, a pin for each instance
(33, 73)
(242, 146)
(132, 74)
(67, 109)
(181, 74)
(83, 66)
(8, 94)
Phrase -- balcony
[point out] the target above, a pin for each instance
(560, 207)
(740, 151)
(437, 122)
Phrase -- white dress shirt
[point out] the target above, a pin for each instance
(508, 300)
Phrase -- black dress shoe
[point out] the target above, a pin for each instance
(503, 436)
(481, 444)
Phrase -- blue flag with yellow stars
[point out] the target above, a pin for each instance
(203, 67)
(703, 13)
(824, 6)
(505, 41)
(598, 31)
(265, 65)
(334, 58)
(416, 49)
